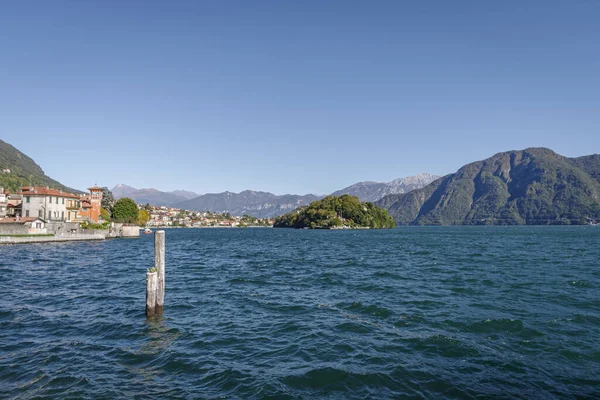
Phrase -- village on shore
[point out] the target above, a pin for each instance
(168, 217)
(42, 213)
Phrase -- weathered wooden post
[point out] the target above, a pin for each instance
(151, 286)
(159, 263)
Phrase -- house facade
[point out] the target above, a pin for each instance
(44, 202)
(3, 202)
(55, 205)
(73, 210)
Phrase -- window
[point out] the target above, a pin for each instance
(62, 216)
(63, 200)
(27, 213)
(40, 214)
(27, 199)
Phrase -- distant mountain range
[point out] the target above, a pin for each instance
(263, 204)
(257, 204)
(373, 191)
(532, 186)
(152, 196)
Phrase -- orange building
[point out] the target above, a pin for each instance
(91, 204)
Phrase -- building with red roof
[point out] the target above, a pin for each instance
(54, 205)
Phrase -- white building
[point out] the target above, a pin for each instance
(44, 202)
(3, 203)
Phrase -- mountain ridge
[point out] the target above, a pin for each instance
(24, 171)
(256, 203)
(373, 191)
(264, 204)
(151, 196)
(530, 186)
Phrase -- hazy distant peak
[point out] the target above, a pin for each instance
(152, 196)
(185, 193)
(415, 179)
(121, 186)
(373, 191)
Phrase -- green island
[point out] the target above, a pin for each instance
(336, 212)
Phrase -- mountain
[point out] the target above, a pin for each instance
(263, 204)
(122, 190)
(185, 194)
(151, 196)
(532, 186)
(373, 191)
(257, 204)
(23, 171)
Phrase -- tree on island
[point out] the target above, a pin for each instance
(336, 212)
(126, 211)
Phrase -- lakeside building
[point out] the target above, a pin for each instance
(55, 205)
(45, 214)
(34, 226)
(44, 202)
(13, 207)
(91, 204)
(3, 202)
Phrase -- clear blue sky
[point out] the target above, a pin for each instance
(292, 96)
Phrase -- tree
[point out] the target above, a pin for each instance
(143, 217)
(108, 201)
(125, 210)
(105, 214)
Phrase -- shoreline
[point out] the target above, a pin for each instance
(49, 239)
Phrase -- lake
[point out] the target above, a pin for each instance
(412, 312)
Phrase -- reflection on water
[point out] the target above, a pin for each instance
(159, 336)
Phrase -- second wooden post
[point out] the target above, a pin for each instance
(159, 263)
(151, 285)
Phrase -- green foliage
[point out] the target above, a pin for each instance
(91, 225)
(143, 217)
(105, 214)
(126, 211)
(23, 171)
(153, 269)
(334, 212)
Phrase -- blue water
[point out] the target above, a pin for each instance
(431, 312)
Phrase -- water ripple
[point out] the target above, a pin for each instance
(456, 312)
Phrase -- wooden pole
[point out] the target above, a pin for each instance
(159, 263)
(151, 285)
